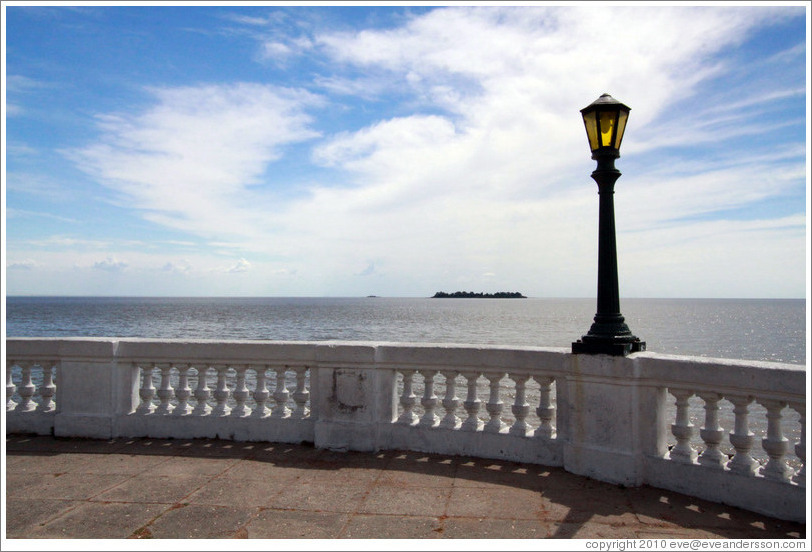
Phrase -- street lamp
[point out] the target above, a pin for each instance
(605, 121)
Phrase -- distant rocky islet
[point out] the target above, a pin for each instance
(480, 295)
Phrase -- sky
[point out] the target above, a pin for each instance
(277, 149)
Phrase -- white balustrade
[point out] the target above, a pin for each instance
(472, 403)
(261, 394)
(494, 405)
(222, 392)
(712, 433)
(147, 391)
(202, 392)
(429, 400)
(166, 393)
(683, 429)
(301, 395)
(520, 407)
(450, 401)
(498, 421)
(741, 438)
(800, 446)
(408, 399)
(183, 392)
(47, 389)
(228, 402)
(281, 395)
(26, 390)
(545, 410)
(36, 378)
(241, 394)
(233, 403)
(560, 412)
(775, 444)
(10, 387)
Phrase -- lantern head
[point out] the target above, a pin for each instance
(605, 122)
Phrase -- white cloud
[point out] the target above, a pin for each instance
(368, 271)
(42, 185)
(65, 242)
(110, 264)
(21, 84)
(14, 110)
(248, 20)
(276, 50)
(26, 264)
(241, 266)
(191, 160)
(180, 267)
(22, 213)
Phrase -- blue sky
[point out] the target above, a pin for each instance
(297, 150)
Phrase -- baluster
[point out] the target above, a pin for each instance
(10, 387)
(241, 394)
(450, 401)
(301, 395)
(281, 395)
(183, 392)
(147, 391)
(221, 393)
(742, 438)
(520, 407)
(800, 447)
(261, 394)
(429, 400)
(26, 390)
(471, 404)
(775, 445)
(494, 405)
(408, 399)
(545, 410)
(202, 393)
(683, 429)
(165, 393)
(47, 389)
(711, 433)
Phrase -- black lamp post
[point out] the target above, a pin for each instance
(605, 121)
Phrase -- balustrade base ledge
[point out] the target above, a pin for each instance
(778, 499)
(230, 428)
(84, 425)
(496, 446)
(37, 423)
(617, 467)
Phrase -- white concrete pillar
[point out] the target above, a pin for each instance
(612, 420)
(353, 399)
(93, 389)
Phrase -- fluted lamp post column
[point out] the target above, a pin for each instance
(605, 121)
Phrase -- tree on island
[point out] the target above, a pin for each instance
(480, 295)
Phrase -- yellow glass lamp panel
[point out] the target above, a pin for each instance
(607, 121)
(621, 127)
(591, 130)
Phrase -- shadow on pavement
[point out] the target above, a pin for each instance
(573, 506)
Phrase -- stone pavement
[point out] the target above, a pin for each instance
(156, 488)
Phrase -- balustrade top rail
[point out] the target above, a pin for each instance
(788, 380)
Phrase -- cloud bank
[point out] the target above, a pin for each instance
(471, 165)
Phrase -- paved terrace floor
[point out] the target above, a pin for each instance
(153, 488)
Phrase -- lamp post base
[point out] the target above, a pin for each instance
(615, 346)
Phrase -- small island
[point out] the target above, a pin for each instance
(472, 295)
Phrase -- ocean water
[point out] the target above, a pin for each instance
(754, 329)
